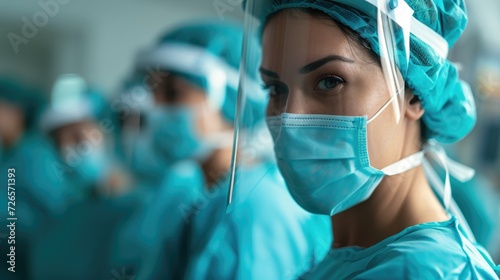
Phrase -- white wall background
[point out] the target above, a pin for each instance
(95, 38)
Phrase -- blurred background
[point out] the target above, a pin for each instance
(98, 41)
(95, 39)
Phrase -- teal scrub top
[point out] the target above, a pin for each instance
(479, 204)
(157, 222)
(79, 246)
(435, 250)
(41, 197)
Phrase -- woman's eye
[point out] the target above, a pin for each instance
(329, 83)
(276, 89)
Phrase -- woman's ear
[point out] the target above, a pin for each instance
(414, 109)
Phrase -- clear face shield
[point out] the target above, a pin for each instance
(133, 103)
(347, 60)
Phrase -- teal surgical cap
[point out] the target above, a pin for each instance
(28, 100)
(72, 101)
(208, 54)
(450, 112)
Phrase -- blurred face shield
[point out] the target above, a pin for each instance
(136, 102)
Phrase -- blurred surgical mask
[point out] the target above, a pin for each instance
(93, 166)
(90, 167)
(175, 135)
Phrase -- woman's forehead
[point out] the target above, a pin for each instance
(300, 38)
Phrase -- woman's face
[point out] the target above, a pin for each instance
(310, 67)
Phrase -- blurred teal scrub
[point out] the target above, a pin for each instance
(41, 196)
(158, 220)
(266, 236)
(479, 204)
(79, 245)
(40, 189)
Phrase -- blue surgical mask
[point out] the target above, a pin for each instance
(93, 166)
(89, 169)
(174, 133)
(324, 160)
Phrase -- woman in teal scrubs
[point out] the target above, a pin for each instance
(361, 95)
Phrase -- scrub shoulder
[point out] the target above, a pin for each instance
(436, 250)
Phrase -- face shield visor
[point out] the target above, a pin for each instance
(347, 59)
(132, 104)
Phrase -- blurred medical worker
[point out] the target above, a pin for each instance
(81, 127)
(361, 95)
(37, 196)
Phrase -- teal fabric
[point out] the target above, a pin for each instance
(222, 39)
(479, 203)
(147, 165)
(450, 112)
(157, 222)
(38, 178)
(79, 245)
(41, 196)
(266, 236)
(436, 250)
(28, 100)
(101, 111)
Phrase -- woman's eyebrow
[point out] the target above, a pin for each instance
(268, 73)
(320, 62)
